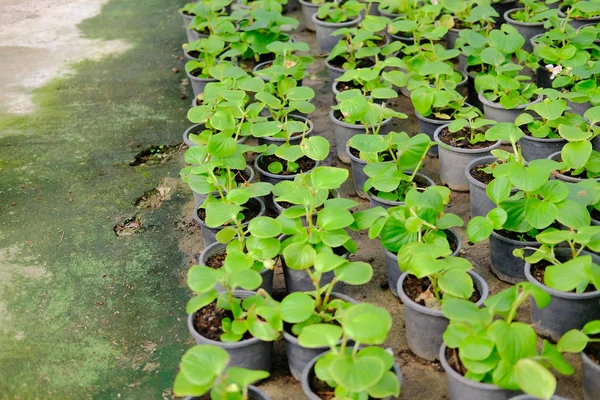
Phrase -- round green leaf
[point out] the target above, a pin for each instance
(264, 227)
(320, 335)
(297, 307)
(354, 273)
(357, 374)
(366, 323)
(534, 379)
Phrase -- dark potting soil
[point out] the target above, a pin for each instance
(414, 287)
(343, 86)
(322, 389)
(454, 139)
(216, 261)
(207, 322)
(454, 361)
(521, 237)
(251, 210)
(194, 53)
(383, 157)
(527, 133)
(592, 350)
(595, 214)
(480, 175)
(197, 73)
(338, 62)
(305, 164)
(538, 270)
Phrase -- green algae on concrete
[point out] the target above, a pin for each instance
(85, 313)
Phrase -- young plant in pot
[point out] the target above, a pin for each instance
(418, 24)
(356, 114)
(314, 222)
(395, 232)
(332, 16)
(530, 20)
(204, 369)
(480, 172)
(210, 19)
(242, 322)
(570, 275)
(300, 310)
(359, 47)
(459, 143)
(487, 354)
(388, 166)
(432, 68)
(286, 63)
(580, 13)
(352, 371)
(470, 14)
(587, 342)
(504, 92)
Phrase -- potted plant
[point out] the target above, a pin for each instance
(580, 13)
(585, 342)
(460, 142)
(357, 372)
(204, 369)
(396, 232)
(241, 322)
(314, 222)
(470, 14)
(332, 16)
(286, 63)
(418, 22)
(321, 306)
(388, 166)
(529, 20)
(310, 8)
(486, 354)
(570, 275)
(210, 52)
(359, 48)
(356, 114)
(502, 6)
(210, 19)
(373, 82)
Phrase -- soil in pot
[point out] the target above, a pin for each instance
(305, 164)
(454, 361)
(338, 62)
(592, 350)
(482, 176)
(251, 210)
(538, 271)
(458, 139)
(207, 322)
(418, 290)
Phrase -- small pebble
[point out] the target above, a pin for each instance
(175, 70)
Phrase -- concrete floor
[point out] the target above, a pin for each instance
(85, 313)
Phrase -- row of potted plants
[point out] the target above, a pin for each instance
(407, 215)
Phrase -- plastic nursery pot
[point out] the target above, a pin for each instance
(266, 176)
(292, 5)
(343, 133)
(579, 22)
(194, 35)
(579, 108)
(479, 200)
(496, 112)
(591, 378)
(425, 326)
(504, 265)
(308, 374)
(250, 353)
(294, 139)
(526, 29)
(394, 271)
(254, 393)
(298, 356)
(299, 281)
(533, 148)
(374, 201)
(453, 161)
(325, 38)
(197, 128)
(308, 10)
(210, 234)
(503, 6)
(198, 84)
(461, 388)
(280, 209)
(542, 75)
(217, 248)
(472, 95)
(429, 126)
(334, 72)
(187, 18)
(200, 197)
(563, 177)
(566, 311)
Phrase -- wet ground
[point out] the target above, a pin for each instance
(95, 242)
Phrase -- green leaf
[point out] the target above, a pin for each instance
(218, 214)
(498, 190)
(478, 229)
(354, 273)
(534, 379)
(573, 341)
(299, 256)
(540, 213)
(387, 386)
(456, 283)
(572, 214)
(576, 154)
(464, 310)
(328, 177)
(202, 279)
(366, 323)
(320, 335)
(244, 377)
(202, 363)
(183, 387)
(476, 348)
(297, 307)
(568, 275)
(315, 147)
(330, 218)
(200, 300)
(264, 227)
(513, 341)
(221, 145)
(357, 374)
(592, 328)
(529, 178)
(226, 234)
(504, 131)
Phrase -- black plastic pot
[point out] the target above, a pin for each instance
(478, 198)
(425, 326)
(498, 113)
(299, 281)
(453, 161)
(357, 166)
(334, 72)
(591, 378)
(375, 201)
(326, 40)
(534, 148)
(200, 197)
(343, 133)
(216, 248)
(308, 10)
(198, 84)
(566, 311)
(472, 95)
(526, 29)
(393, 269)
(298, 356)
(308, 373)
(251, 353)
(278, 141)
(210, 234)
(266, 176)
(461, 388)
(504, 265)
(578, 23)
